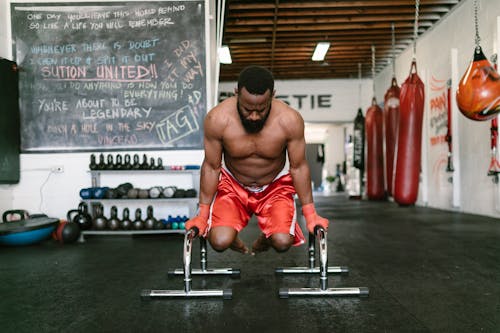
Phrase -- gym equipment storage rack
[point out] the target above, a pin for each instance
(126, 175)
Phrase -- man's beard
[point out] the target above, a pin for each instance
(252, 126)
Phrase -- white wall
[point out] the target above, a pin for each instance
(475, 191)
(321, 101)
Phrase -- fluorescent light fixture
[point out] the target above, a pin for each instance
(225, 55)
(320, 51)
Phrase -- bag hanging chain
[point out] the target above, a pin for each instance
(476, 26)
(415, 29)
(373, 69)
(359, 90)
(393, 41)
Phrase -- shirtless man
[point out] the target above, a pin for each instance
(246, 139)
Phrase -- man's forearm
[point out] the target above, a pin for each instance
(302, 182)
(209, 179)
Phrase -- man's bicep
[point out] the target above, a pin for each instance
(296, 145)
(213, 146)
(296, 152)
(213, 153)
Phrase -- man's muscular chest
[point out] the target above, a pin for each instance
(242, 146)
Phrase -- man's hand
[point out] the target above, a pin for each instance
(200, 221)
(313, 219)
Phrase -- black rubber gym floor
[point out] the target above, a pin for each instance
(427, 270)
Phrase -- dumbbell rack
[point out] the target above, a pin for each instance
(128, 176)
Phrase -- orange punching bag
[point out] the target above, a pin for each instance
(374, 152)
(408, 153)
(391, 122)
(478, 93)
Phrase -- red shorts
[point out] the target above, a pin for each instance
(274, 207)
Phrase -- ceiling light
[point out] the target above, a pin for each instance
(225, 55)
(320, 51)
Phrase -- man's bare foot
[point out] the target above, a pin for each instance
(238, 246)
(261, 244)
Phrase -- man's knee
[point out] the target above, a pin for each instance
(221, 238)
(281, 242)
(218, 244)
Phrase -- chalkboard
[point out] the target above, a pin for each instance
(110, 75)
(9, 122)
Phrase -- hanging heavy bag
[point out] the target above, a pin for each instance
(359, 141)
(478, 93)
(391, 122)
(449, 164)
(374, 152)
(408, 153)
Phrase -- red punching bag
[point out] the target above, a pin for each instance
(478, 93)
(391, 122)
(374, 152)
(408, 153)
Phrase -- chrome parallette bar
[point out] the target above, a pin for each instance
(312, 268)
(204, 270)
(188, 292)
(323, 270)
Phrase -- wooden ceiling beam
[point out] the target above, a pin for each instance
(343, 11)
(245, 5)
(325, 27)
(346, 33)
(305, 20)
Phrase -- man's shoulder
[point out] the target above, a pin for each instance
(289, 119)
(218, 117)
(286, 112)
(224, 107)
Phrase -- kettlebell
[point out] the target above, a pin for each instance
(152, 163)
(93, 163)
(110, 165)
(144, 164)
(126, 223)
(118, 162)
(150, 221)
(66, 232)
(82, 218)
(159, 165)
(136, 165)
(100, 221)
(101, 165)
(126, 162)
(159, 225)
(113, 222)
(138, 224)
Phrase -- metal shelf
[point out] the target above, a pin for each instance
(140, 199)
(127, 233)
(189, 202)
(191, 171)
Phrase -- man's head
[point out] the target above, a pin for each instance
(255, 93)
(256, 79)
